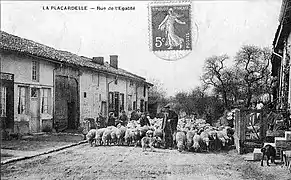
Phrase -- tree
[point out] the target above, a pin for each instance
(216, 75)
(200, 102)
(253, 63)
(156, 95)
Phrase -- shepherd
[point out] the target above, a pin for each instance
(169, 126)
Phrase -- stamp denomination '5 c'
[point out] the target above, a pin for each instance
(170, 29)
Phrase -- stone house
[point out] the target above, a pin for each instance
(44, 87)
(111, 91)
(28, 97)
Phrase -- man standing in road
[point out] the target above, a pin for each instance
(123, 118)
(111, 119)
(169, 126)
(100, 121)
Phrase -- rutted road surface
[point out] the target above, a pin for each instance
(84, 162)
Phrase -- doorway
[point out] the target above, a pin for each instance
(71, 115)
(142, 105)
(35, 110)
(116, 104)
(103, 109)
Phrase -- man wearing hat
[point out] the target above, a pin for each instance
(169, 126)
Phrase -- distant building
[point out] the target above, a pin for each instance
(281, 59)
(44, 87)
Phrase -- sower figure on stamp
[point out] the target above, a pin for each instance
(167, 25)
(169, 126)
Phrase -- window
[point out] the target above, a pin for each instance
(45, 101)
(142, 105)
(116, 81)
(121, 102)
(35, 71)
(3, 101)
(144, 90)
(34, 93)
(111, 100)
(130, 83)
(129, 102)
(85, 94)
(146, 106)
(134, 105)
(22, 100)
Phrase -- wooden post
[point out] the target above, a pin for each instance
(239, 130)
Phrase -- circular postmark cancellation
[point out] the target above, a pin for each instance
(172, 32)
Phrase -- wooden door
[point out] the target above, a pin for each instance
(71, 115)
(34, 110)
(116, 104)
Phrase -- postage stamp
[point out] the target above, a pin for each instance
(170, 29)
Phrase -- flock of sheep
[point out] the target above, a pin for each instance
(191, 135)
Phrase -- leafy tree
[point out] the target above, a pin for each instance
(156, 95)
(216, 75)
(253, 63)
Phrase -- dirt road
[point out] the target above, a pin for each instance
(84, 162)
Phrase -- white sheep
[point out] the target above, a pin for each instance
(106, 137)
(99, 134)
(180, 140)
(189, 137)
(196, 142)
(91, 137)
(205, 138)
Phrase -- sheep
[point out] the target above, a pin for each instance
(113, 136)
(205, 138)
(91, 137)
(196, 142)
(189, 137)
(98, 137)
(180, 140)
(214, 140)
(223, 138)
(120, 133)
(136, 137)
(106, 137)
(129, 136)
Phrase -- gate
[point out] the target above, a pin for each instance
(250, 129)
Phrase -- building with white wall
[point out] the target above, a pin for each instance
(42, 86)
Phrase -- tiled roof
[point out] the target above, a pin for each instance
(14, 43)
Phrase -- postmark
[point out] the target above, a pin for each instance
(171, 35)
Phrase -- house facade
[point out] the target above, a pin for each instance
(44, 87)
(103, 92)
(281, 59)
(26, 93)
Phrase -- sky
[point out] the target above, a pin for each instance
(223, 27)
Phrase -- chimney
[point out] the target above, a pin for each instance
(98, 60)
(114, 61)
